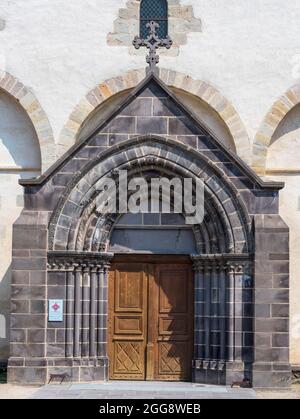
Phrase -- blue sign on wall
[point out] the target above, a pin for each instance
(56, 310)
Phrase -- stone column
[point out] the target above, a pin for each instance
(93, 312)
(207, 315)
(241, 323)
(223, 319)
(86, 294)
(102, 352)
(78, 310)
(209, 327)
(199, 348)
(199, 310)
(223, 314)
(70, 313)
(82, 278)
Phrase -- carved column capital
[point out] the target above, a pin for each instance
(239, 267)
(68, 261)
(93, 268)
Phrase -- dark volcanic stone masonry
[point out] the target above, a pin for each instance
(61, 250)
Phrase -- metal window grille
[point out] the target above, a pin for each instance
(156, 10)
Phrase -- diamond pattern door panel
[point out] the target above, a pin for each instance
(174, 316)
(127, 321)
(172, 359)
(128, 358)
(150, 322)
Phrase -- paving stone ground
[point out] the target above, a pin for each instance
(140, 390)
(8, 391)
(292, 393)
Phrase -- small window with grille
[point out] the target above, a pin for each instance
(156, 10)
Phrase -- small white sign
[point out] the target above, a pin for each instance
(56, 310)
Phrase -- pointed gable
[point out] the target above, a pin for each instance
(151, 109)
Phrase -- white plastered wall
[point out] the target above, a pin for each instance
(60, 50)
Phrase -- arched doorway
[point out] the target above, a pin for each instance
(80, 240)
(217, 251)
(150, 304)
(150, 318)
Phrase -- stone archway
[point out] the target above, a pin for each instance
(79, 246)
(233, 210)
(37, 115)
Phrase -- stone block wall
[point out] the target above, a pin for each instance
(29, 299)
(271, 330)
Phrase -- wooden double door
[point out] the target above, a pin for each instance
(151, 321)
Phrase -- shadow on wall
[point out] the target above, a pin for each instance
(16, 135)
(289, 124)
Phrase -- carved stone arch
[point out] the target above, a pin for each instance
(201, 89)
(103, 226)
(206, 230)
(156, 152)
(29, 102)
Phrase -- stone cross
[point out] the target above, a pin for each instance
(152, 42)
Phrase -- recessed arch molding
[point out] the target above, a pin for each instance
(162, 155)
(30, 103)
(276, 114)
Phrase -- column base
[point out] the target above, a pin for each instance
(221, 373)
(36, 371)
(272, 376)
(209, 372)
(237, 371)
